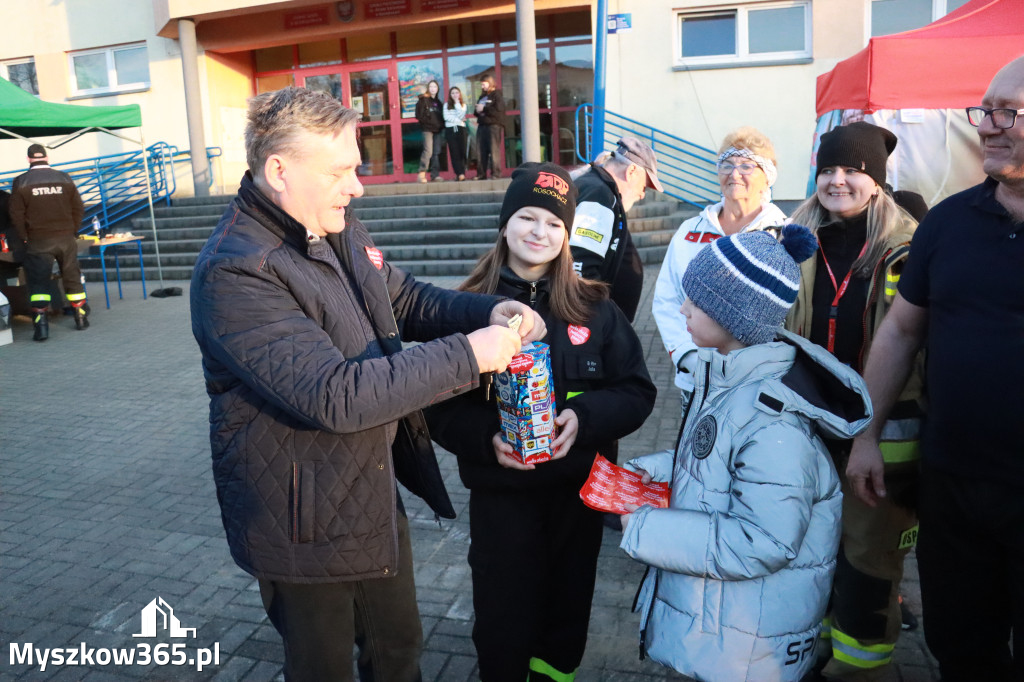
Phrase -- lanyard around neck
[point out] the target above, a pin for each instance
(840, 289)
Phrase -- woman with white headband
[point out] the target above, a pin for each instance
(746, 173)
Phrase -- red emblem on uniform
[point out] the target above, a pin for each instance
(578, 334)
(376, 257)
(520, 363)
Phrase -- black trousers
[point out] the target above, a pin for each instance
(457, 148)
(38, 262)
(488, 140)
(534, 562)
(320, 623)
(970, 555)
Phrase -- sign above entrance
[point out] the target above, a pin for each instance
(440, 5)
(378, 9)
(305, 18)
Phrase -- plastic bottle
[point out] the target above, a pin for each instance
(96, 227)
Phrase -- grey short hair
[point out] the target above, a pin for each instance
(275, 119)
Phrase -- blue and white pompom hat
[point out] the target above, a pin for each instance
(748, 282)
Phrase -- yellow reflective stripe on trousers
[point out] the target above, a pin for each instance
(76, 297)
(544, 668)
(573, 394)
(849, 650)
(895, 452)
(39, 297)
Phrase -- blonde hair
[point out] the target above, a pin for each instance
(751, 139)
(276, 119)
(884, 218)
(571, 297)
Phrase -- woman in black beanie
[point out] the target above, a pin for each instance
(534, 545)
(845, 291)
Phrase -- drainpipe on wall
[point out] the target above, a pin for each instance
(600, 69)
(529, 109)
(194, 107)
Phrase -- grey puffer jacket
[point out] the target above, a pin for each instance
(309, 388)
(742, 560)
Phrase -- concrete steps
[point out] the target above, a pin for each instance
(433, 229)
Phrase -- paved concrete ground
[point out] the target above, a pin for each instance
(108, 503)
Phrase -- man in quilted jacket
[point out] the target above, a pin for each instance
(314, 404)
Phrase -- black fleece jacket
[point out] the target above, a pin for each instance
(615, 396)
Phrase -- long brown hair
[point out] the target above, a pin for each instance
(572, 297)
(884, 218)
(451, 100)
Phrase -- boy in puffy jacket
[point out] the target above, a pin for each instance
(742, 560)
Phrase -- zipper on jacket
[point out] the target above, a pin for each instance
(675, 457)
(295, 501)
(533, 294)
(647, 620)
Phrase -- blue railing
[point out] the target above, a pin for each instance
(686, 170)
(113, 186)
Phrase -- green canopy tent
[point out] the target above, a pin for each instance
(26, 117)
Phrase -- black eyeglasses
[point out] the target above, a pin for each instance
(1001, 118)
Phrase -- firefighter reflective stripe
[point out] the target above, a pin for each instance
(573, 394)
(895, 452)
(39, 298)
(901, 429)
(850, 651)
(545, 668)
(891, 280)
(826, 628)
(76, 297)
(899, 440)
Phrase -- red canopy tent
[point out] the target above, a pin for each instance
(946, 64)
(917, 84)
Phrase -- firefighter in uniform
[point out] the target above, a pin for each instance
(46, 211)
(846, 291)
(601, 245)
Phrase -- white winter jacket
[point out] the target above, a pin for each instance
(693, 235)
(742, 560)
(454, 118)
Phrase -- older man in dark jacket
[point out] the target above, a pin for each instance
(314, 405)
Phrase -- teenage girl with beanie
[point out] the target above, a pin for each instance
(846, 291)
(742, 559)
(534, 545)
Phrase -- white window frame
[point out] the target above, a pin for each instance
(938, 11)
(15, 62)
(742, 55)
(114, 86)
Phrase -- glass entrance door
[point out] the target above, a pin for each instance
(371, 89)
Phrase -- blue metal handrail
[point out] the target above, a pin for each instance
(686, 170)
(113, 186)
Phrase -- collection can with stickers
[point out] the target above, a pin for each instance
(526, 402)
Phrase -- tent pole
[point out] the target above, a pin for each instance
(152, 215)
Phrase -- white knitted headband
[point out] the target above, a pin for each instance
(763, 163)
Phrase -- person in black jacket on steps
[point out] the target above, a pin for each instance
(534, 544)
(428, 113)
